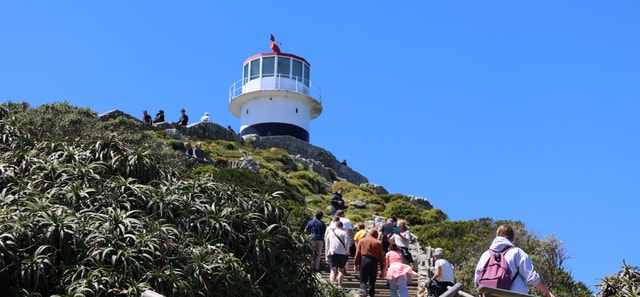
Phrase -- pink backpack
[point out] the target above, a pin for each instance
(496, 273)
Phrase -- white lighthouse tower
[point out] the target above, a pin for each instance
(275, 95)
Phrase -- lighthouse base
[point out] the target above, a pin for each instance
(269, 129)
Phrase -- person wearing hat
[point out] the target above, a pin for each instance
(159, 117)
(443, 277)
(205, 118)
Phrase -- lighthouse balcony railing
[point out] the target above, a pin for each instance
(280, 82)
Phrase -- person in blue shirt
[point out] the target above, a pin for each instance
(316, 229)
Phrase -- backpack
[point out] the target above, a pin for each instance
(496, 273)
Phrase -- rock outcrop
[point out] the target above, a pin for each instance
(114, 114)
(303, 149)
(199, 130)
(311, 157)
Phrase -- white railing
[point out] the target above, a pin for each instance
(280, 82)
(149, 293)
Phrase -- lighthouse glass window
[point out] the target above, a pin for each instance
(284, 67)
(268, 66)
(255, 69)
(306, 75)
(297, 70)
(245, 73)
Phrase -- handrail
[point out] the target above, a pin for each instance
(149, 293)
(452, 291)
(282, 82)
(455, 290)
(501, 292)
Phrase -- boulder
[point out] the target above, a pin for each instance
(113, 114)
(173, 133)
(377, 189)
(358, 204)
(246, 163)
(306, 150)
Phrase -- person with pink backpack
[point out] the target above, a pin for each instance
(508, 267)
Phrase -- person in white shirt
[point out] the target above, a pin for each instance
(346, 223)
(205, 118)
(443, 276)
(402, 238)
(336, 241)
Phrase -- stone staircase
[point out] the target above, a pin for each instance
(351, 282)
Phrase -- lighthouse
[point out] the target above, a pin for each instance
(275, 95)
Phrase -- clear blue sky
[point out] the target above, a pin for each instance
(521, 110)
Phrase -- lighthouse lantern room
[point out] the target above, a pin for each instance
(275, 95)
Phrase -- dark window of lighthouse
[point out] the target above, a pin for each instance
(268, 66)
(255, 69)
(245, 73)
(284, 67)
(296, 70)
(306, 75)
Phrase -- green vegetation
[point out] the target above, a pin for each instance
(112, 215)
(625, 284)
(464, 242)
(92, 208)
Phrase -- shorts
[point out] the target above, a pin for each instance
(337, 260)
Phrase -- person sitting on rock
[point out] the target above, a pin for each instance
(159, 117)
(184, 118)
(337, 202)
(205, 118)
(146, 118)
(188, 150)
(199, 154)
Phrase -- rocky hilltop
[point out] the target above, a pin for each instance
(311, 157)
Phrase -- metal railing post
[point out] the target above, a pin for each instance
(149, 293)
(501, 293)
(452, 291)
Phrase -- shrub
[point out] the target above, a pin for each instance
(99, 218)
(378, 208)
(55, 121)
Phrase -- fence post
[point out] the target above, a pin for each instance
(501, 293)
(149, 293)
